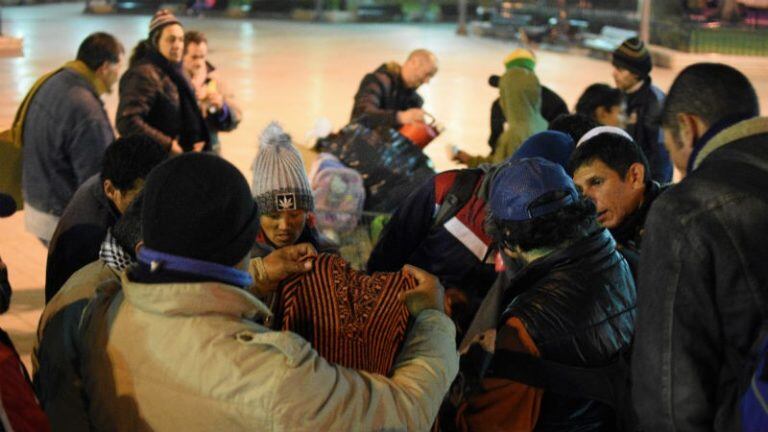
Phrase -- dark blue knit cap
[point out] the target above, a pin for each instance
(553, 146)
(519, 183)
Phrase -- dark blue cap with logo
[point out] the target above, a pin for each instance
(520, 183)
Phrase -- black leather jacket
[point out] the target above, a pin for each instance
(703, 286)
(578, 306)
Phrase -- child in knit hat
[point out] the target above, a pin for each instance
(281, 189)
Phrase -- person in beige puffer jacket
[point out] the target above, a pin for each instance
(173, 346)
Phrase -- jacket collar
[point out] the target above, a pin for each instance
(737, 131)
(87, 74)
(192, 299)
(635, 221)
(591, 249)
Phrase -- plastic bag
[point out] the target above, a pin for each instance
(391, 166)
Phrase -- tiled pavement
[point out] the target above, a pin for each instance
(291, 72)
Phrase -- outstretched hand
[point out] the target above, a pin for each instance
(428, 293)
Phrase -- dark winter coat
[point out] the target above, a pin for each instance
(157, 101)
(643, 111)
(79, 234)
(703, 286)
(381, 95)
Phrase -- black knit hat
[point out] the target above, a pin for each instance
(199, 206)
(633, 56)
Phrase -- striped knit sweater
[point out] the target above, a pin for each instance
(350, 318)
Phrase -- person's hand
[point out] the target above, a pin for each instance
(176, 148)
(428, 293)
(198, 146)
(462, 157)
(288, 261)
(412, 115)
(280, 264)
(215, 99)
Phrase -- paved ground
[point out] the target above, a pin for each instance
(290, 72)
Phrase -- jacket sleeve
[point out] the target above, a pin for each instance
(137, 93)
(677, 355)
(345, 399)
(368, 109)
(504, 405)
(405, 231)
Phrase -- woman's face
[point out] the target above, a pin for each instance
(171, 43)
(283, 228)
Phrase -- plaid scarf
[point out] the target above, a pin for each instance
(114, 255)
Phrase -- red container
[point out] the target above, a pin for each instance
(419, 133)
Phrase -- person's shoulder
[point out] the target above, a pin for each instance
(141, 71)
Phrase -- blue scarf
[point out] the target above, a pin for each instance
(157, 260)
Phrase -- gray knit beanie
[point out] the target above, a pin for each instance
(279, 180)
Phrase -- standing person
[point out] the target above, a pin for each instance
(703, 279)
(520, 99)
(387, 96)
(66, 131)
(200, 348)
(552, 105)
(217, 104)
(603, 104)
(156, 99)
(631, 70)
(96, 207)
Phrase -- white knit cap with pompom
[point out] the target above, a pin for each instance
(279, 180)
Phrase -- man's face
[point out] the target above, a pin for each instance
(109, 73)
(195, 57)
(283, 228)
(625, 80)
(419, 71)
(615, 197)
(171, 43)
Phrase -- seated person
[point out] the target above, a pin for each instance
(281, 188)
(387, 96)
(552, 105)
(97, 205)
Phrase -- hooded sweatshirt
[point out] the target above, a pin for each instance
(520, 97)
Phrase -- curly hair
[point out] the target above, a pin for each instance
(560, 228)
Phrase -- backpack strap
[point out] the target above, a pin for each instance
(605, 384)
(459, 194)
